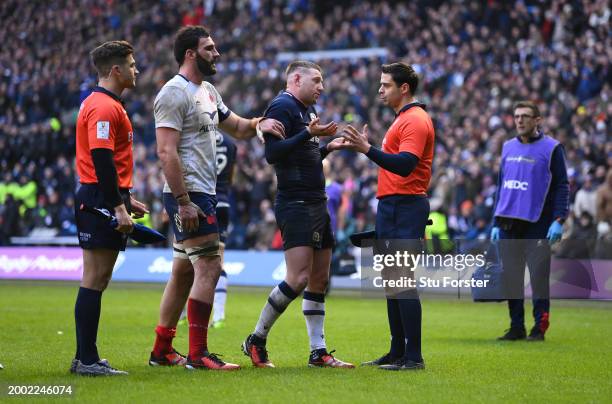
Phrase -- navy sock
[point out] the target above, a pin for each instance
(87, 317)
(411, 313)
(516, 307)
(77, 355)
(395, 326)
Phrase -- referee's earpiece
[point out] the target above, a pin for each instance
(110, 72)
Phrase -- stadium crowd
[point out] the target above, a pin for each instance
(475, 59)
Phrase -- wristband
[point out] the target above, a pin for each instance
(183, 199)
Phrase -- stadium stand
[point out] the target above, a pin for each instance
(475, 59)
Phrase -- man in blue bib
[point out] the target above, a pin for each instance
(531, 206)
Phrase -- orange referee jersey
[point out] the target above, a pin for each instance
(413, 132)
(103, 123)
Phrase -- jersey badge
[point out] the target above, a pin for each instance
(103, 130)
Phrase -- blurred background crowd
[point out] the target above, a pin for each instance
(475, 58)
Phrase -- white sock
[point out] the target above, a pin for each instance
(280, 297)
(220, 298)
(313, 307)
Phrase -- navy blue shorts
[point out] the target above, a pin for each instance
(223, 222)
(402, 217)
(207, 203)
(304, 223)
(92, 230)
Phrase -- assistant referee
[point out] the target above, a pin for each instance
(403, 208)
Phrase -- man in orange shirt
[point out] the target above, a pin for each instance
(104, 164)
(403, 208)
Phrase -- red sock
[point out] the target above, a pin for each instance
(163, 340)
(198, 315)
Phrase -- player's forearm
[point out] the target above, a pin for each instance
(106, 173)
(244, 128)
(171, 167)
(277, 150)
(324, 151)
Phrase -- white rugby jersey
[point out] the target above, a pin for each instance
(195, 111)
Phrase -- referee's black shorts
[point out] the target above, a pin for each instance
(93, 231)
(304, 223)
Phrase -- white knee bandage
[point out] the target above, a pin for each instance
(206, 249)
(179, 251)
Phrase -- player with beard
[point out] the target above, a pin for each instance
(188, 111)
(301, 214)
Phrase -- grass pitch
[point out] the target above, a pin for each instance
(464, 362)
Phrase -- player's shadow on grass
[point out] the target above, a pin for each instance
(484, 340)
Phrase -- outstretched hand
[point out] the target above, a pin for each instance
(336, 144)
(355, 140)
(317, 129)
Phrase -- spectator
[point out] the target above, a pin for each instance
(474, 59)
(585, 199)
(604, 218)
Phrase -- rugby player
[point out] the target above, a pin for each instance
(301, 214)
(226, 158)
(188, 111)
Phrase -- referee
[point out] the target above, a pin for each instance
(104, 163)
(403, 208)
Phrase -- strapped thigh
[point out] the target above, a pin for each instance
(179, 251)
(208, 248)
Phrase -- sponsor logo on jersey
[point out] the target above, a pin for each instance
(211, 115)
(208, 128)
(520, 159)
(514, 184)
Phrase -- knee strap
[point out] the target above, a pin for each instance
(179, 251)
(206, 249)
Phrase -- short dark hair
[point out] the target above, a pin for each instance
(301, 64)
(187, 38)
(528, 104)
(110, 53)
(402, 73)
